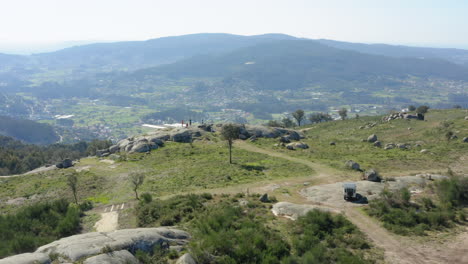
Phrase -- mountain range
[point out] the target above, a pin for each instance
(263, 74)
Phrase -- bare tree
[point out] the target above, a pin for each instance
(137, 179)
(230, 132)
(299, 115)
(72, 182)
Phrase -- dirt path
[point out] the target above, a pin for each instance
(323, 172)
(402, 250)
(109, 218)
(109, 222)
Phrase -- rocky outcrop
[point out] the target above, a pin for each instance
(270, 132)
(293, 211)
(372, 138)
(402, 115)
(27, 258)
(372, 175)
(186, 259)
(116, 257)
(377, 144)
(102, 247)
(156, 139)
(296, 145)
(66, 163)
(352, 165)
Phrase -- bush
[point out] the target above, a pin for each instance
(172, 211)
(403, 217)
(36, 225)
(146, 197)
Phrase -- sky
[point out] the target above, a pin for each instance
(42, 24)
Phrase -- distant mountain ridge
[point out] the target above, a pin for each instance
(459, 56)
(132, 55)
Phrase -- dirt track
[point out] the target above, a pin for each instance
(397, 249)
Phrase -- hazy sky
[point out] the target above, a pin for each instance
(415, 22)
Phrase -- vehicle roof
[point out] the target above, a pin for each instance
(349, 185)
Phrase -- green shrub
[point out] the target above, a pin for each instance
(37, 225)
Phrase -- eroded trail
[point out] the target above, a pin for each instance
(397, 249)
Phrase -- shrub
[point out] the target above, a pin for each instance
(37, 225)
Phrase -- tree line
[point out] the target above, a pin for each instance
(17, 157)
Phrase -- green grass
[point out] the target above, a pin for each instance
(175, 168)
(348, 137)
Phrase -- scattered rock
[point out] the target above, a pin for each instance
(372, 138)
(454, 137)
(296, 145)
(389, 146)
(377, 144)
(352, 165)
(141, 147)
(242, 137)
(102, 152)
(424, 151)
(186, 259)
(372, 175)
(293, 211)
(264, 198)
(465, 139)
(466, 117)
(402, 146)
(332, 143)
(285, 139)
(66, 163)
(253, 138)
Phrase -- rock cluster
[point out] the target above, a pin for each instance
(368, 125)
(99, 247)
(402, 115)
(398, 145)
(156, 139)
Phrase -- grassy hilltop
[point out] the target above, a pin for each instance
(203, 165)
(193, 186)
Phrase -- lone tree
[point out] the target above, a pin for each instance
(137, 179)
(299, 115)
(230, 132)
(343, 112)
(422, 109)
(72, 181)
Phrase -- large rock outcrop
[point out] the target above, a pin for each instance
(157, 138)
(101, 247)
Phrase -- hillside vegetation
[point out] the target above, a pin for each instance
(418, 135)
(27, 130)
